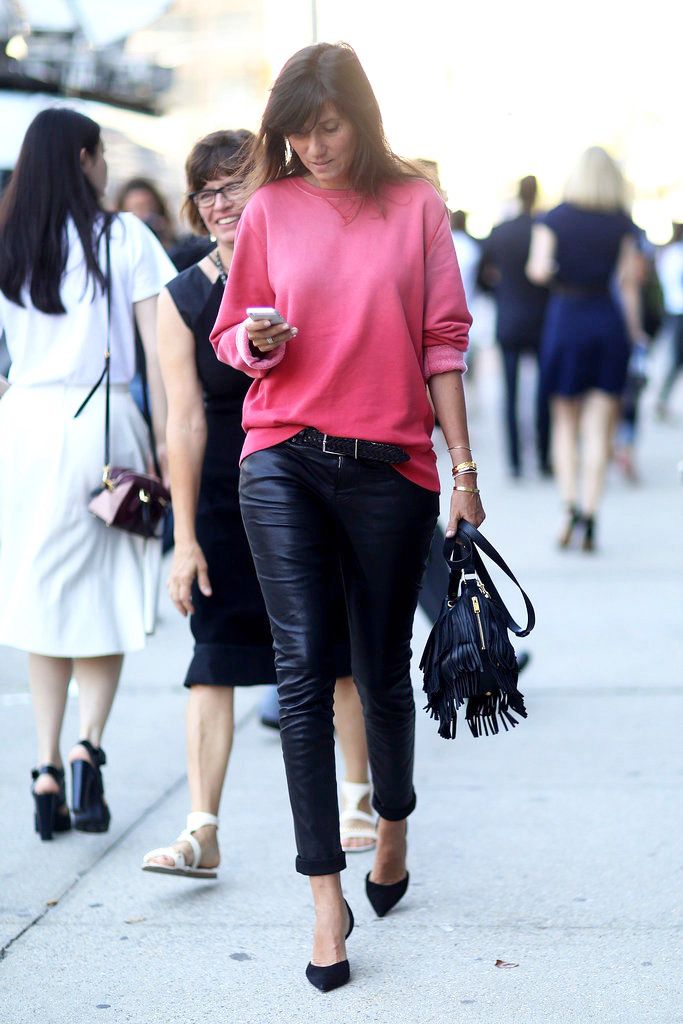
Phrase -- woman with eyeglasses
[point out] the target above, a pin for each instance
(72, 592)
(352, 248)
(212, 575)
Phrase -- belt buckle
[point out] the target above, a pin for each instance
(342, 455)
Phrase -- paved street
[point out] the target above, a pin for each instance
(556, 849)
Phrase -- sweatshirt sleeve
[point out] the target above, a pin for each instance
(248, 285)
(446, 318)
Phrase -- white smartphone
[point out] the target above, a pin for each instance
(265, 313)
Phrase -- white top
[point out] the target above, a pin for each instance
(670, 270)
(68, 348)
(468, 251)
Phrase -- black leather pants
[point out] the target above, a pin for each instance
(307, 514)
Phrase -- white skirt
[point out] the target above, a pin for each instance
(69, 586)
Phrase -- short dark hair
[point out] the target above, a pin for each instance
(48, 188)
(143, 185)
(458, 220)
(214, 156)
(528, 190)
(317, 75)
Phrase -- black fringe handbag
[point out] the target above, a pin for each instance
(468, 656)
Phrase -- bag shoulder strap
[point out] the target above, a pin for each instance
(471, 539)
(142, 365)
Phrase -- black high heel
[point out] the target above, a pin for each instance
(90, 810)
(588, 542)
(573, 520)
(334, 975)
(384, 897)
(47, 817)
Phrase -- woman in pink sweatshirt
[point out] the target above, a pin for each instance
(353, 249)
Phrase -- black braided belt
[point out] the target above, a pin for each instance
(353, 447)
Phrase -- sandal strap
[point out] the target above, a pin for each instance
(357, 833)
(48, 769)
(197, 819)
(97, 754)
(354, 792)
(177, 856)
(355, 815)
(187, 837)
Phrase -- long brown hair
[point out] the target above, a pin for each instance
(317, 75)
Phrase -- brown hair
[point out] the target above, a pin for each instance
(143, 185)
(314, 76)
(217, 155)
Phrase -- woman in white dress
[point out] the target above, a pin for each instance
(71, 590)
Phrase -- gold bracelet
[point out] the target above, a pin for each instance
(465, 446)
(465, 472)
(470, 490)
(464, 465)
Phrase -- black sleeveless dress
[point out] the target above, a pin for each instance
(233, 642)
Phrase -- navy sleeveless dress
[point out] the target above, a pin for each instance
(585, 344)
(233, 642)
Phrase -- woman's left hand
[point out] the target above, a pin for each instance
(464, 506)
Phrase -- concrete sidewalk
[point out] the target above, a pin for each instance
(555, 848)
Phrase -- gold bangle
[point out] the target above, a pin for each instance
(466, 472)
(470, 490)
(464, 465)
(465, 446)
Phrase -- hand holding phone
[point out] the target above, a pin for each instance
(267, 329)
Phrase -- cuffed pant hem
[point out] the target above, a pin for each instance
(392, 813)
(321, 867)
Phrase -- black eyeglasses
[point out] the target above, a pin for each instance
(207, 196)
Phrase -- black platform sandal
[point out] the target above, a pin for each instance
(334, 975)
(51, 811)
(90, 810)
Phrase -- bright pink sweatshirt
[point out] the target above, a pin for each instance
(379, 304)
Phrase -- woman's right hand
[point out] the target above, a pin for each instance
(266, 338)
(188, 564)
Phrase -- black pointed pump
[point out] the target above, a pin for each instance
(384, 897)
(335, 975)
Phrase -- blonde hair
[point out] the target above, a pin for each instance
(596, 183)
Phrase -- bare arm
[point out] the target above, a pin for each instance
(540, 266)
(448, 397)
(146, 319)
(630, 271)
(186, 442)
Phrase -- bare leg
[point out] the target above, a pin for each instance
(49, 682)
(565, 438)
(98, 679)
(210, 729)
(390, 858)
(331, 922)
(350, 726)
(598, 417)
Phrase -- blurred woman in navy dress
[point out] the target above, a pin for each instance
(585, 249)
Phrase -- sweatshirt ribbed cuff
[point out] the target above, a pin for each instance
(442, 359)
(256, 363)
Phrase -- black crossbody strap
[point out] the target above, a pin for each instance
(106, 371)
(107, 356)
(470, 539)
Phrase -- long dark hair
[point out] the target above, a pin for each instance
(316, 75)
(47, 187)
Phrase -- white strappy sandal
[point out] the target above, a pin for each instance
(352, 794)
(195, 820)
